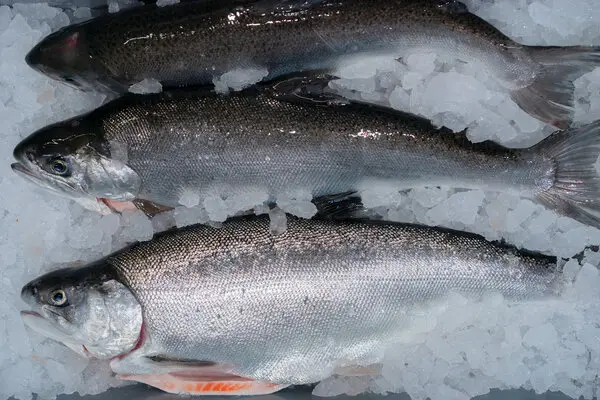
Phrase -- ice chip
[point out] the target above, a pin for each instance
(113, 7)
(571, 268)
(216, 208)
(5, 17)
(239, 79)
(461, 207)
(189, 198)
(278, 219)
(184, 216)
(297, 202)
(82, 13)
(146, 86)
(163, 3)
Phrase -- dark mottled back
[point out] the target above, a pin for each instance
(192, 42)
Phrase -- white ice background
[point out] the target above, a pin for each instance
(455, 349)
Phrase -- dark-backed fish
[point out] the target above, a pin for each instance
(195, 42)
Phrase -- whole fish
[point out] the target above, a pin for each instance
(155, 148)
(238, 310)
(195, 42)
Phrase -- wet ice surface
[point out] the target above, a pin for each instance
(454, 350)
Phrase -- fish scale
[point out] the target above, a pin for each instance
(197, 42)
(193, 42)
(271, 143)
(289, 308)
(200, 141)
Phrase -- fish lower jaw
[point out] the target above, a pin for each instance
(36, 322)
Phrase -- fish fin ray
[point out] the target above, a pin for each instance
(339, 206)
(204, 386)
(550, 98)
(576, 189)
(150, 208)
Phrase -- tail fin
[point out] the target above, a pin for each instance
(576, 189)
(550, 97)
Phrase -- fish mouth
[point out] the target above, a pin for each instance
(28, 174)
(46, 328)
(62, 189)
(21, 169)
(31, 314)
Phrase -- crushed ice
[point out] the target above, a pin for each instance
(445, 354)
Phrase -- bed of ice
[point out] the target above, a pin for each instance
(452, 351)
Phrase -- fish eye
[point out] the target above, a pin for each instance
(58, 298)
(60, 166)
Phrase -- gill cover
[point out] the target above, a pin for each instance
(110, 178)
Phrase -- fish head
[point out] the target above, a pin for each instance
(65, 56)
(87, 309)
(72, 158)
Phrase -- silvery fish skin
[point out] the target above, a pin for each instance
(156, 147)
(195, 42)
(291, 308)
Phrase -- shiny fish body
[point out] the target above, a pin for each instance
(194, 42)
(197, 42)
(250, 147)
(290, 308)
(217, 146)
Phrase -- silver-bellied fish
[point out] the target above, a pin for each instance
(195, 42)
(239, 310)
(154, 148)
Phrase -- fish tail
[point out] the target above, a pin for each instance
(550, 96)
(576, 189)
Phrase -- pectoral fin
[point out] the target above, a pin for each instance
(147, 207)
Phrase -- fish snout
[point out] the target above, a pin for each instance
(34, 57)
(24, 152)
(62, 56)
(30, 293)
